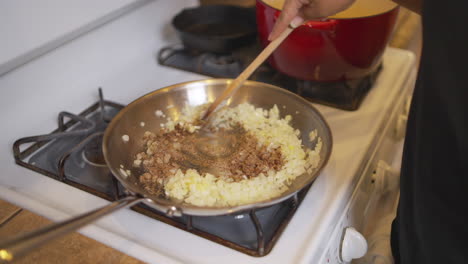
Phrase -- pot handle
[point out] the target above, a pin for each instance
(16, 247)
(325, 24)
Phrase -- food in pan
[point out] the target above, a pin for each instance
(259, 156)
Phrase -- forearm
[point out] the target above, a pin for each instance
(413, 5)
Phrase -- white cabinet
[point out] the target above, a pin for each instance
(30, 28)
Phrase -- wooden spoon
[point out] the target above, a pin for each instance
(236, 83)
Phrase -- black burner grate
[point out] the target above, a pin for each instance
(72, 154)
(346, 95)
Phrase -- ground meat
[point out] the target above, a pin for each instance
(237, 156)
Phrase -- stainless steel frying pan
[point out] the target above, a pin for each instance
(120, 153)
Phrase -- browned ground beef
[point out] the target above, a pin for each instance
(237, 156)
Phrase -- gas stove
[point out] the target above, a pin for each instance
(120, 57)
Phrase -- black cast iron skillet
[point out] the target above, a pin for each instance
(216, 28)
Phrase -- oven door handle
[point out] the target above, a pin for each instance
(16, 247)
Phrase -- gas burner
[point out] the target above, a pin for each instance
(224, 66)
(219, 60)
(72, 152)
(92, 152)
(347, 94)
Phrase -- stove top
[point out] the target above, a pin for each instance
(72, 154)
(119, 56)
(346, 95)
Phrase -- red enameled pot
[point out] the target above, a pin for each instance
(345, 47)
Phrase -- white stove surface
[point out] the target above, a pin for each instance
(120, 58)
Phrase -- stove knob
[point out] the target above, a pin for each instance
(353, 246)
(385, 178)
(400, 127)
(402, 119)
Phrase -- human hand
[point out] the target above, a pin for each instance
(306, 9)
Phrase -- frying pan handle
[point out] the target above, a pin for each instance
(14, 248)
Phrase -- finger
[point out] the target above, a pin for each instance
(290, 11)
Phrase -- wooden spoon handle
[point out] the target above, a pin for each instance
(236, 83)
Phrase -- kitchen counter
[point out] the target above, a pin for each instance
(76, 248)
(73, 248)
